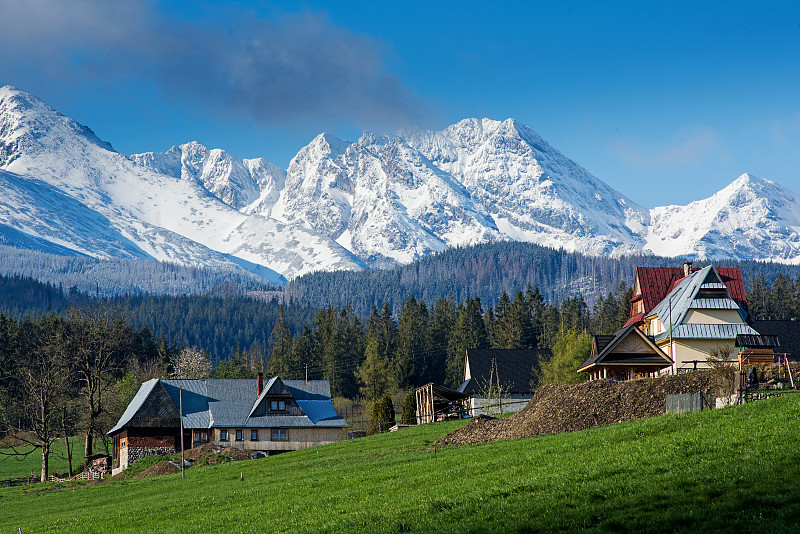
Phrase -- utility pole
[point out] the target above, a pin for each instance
(180, 409)
(674, 365)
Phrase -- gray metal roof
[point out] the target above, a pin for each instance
(683, 298)
(713, 304)
(228, 402)
(707, 331)
(677, 302)
(713, 285)
(135, 404)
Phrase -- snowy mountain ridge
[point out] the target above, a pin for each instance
(377, 201)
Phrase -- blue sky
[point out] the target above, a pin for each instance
(667, 102)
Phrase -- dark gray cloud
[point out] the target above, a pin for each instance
(297, 67)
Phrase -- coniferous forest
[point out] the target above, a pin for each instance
(368, 333)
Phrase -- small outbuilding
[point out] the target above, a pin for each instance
(499, 380)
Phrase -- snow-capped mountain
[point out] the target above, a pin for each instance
(147, 213)
(752, 218)
(377, 201)
(534, 192)
(249, 185)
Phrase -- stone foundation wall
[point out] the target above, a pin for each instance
(137, 453)
(134, 448)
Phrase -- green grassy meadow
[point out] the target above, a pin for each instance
(15, 467)
(730, 470)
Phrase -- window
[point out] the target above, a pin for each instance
(223, 435)
(279, 434)
(254, 435)
(277, 405)
(239, 435)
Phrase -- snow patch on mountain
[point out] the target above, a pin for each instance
(248, 185)
(165, 216)
(752, 218)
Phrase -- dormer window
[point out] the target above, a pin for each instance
(277, 405)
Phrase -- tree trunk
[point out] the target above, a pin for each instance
(66, 440)
(45, 461)
(87, 452)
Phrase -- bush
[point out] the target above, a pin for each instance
(409, 416)
(382, 415)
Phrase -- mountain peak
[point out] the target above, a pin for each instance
(26, 122)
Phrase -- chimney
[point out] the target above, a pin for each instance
(260, 383)
(687, 268)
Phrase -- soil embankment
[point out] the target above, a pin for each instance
(562, 408)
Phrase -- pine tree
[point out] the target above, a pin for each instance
(467, 332)
(411, 357)
(373, 373)
(443, 317)
(280, 360)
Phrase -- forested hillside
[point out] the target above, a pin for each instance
(234, 335)
(107, 278)
(485, 271)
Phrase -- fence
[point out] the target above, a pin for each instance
(22, 481)
(689, 402)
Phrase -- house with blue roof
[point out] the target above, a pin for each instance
(253, 415)
(697, 315)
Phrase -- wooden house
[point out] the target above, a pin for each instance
(625, 355)
(262, 417)
(510, 369)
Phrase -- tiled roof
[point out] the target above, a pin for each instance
(515, 367)
(635, 319)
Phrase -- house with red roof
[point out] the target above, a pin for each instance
(697, 315)
(678, 315)
(653, 284)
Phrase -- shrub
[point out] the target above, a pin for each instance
(409, 416)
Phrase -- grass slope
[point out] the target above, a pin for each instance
(736, 469)
(16, 466)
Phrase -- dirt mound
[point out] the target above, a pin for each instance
(200, 451)
(561, 408)
(237, 454)
(161, 468)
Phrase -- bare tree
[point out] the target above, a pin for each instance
(191, 363)
(98, 340)
(40, 386)
(723, 368)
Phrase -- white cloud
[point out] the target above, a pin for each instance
(276, 71)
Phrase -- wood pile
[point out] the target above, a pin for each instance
(567, 408)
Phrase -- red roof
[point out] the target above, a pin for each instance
(655, 284)
(633, 320)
